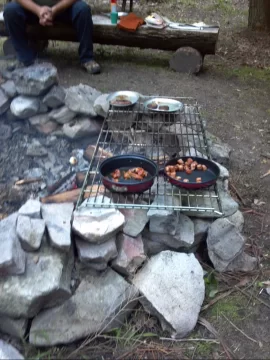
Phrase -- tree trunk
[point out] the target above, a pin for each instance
(259, 15)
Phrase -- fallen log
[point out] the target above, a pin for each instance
(187, 60)
(28, 181)
(73, 195)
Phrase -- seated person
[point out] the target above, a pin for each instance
(46, 12)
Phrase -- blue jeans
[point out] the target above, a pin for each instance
(78, 15)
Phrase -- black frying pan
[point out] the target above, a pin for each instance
(124, 163)
(209, 177)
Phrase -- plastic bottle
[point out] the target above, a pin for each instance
(113, 6)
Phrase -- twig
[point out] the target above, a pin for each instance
(219, 297)
(266, 174)
(28, 181)
(237, 193)
(241, 331)
(190, 340)
(251, 211)
(260, 300)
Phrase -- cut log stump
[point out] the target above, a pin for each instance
(187, 60)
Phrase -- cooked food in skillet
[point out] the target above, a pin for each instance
(188, 167)
(131, 174)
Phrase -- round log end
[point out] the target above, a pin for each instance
(187, 60)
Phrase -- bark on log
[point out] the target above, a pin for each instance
(259, 15)
(187, 60)
(105, 33)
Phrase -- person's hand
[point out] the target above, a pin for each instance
(45, 16)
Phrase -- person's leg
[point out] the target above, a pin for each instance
(15, 21)
(79, 14)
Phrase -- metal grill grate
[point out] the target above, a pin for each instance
(158, 136)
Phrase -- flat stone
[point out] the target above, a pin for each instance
(31, 208)
(43, 123)
(13, 327)
(55, 97)
(9, 89)
(35, 80)
(201, 227)
(131, 254)
(4, 102)
(102, 105)
(100, 303)
(58, 221)
(81, 98)
(243, 262)
(153, 247)
(8, 352)
(173, 289)
(45, 283)
(12, 257)
(97, 255)
(62, 115)
(81, 127)
(24, 107)
(30, 232)
(224, 243)
(135, 221)
(97, 225)
(237, 219)
(35, 149)
(177, 230)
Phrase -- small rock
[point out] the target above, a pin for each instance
(13, 327)
(58, 221)
(130, 254)
(135, 221)
(30, 232)
(35, 80)
(173, 289)
(9, 89)
(12, 257)
(8, 352)
(177, 230)
(36, 149)
(55, 97)
(4, 102)
(11, 117)
(224, 243)
(44, 284)
(153, 247)
(219, 151)
(62, 115)
(43, 109)
(24, 107)
(229, 205)
(237, 219)
(224, 173)
(243, 262)
(105, 223)
(201, 227)
(96, 254)
(163, 200)
(81, 98)
(102, 105)
(81, 127)
(100, 303)
(5, 132)
(43, 123)
(31, 208)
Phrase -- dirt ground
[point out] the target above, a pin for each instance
(233, 92)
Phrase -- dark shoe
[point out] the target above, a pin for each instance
(18, 65)
(92, 67)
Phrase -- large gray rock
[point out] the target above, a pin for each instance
(32, 207)
(43, 123)
(173, 289)
(135, 221)
(9, 89)
(130, 254)
(81, 99)
(243, 262)
(8, 352)
(55, 97)
(30, 232)
(35, 80)
(163, 200)
(4, 102)
(224, 243)
(62, 115)
(58, 221)
(24, 107)
(237, 219)
(81, 127)
(45, 283)
(12, 257)
(100, 303)
(13, 327)
(102, 105)
(97, 225)
(177, 230)
(96, 254)
(201, 227)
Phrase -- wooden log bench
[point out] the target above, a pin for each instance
(203, 41)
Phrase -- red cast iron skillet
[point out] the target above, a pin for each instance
(124, 163)
(209, 177)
